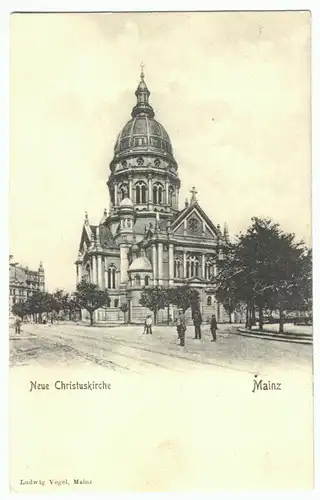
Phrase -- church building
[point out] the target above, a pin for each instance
(145, 239)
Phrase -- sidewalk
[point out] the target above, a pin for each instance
(292, 333)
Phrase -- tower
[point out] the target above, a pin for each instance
(143, 167)
(125, 236)
(41, 277)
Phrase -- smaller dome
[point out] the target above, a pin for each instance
(126, 202)
(141, 264)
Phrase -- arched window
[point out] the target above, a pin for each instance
(112, 276)
(157, 194)
(146, 281)
(193, 267)
(208, 270)
(177, 268)
(137, 280)
(88, 273)
(141, 192)
(109, 302)
(197, 268)
(209, 301)
(116, 302)
(123, 191)
(171, 195)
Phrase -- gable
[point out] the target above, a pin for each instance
(84, 239)
(193, 222)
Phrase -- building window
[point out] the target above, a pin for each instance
(177, 268)
(157, 194)
(116, 302)
(123, 190)
(146, 281)
(109, 302)
(137, 280)
(112, 277)
(193, 267)
(209, 301)
(13, 300)
(171, 195)
(208, 270)
(141, 193)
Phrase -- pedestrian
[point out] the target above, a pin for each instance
(149, 324)
(145, 327)
(181, 327)
(213, 328)
(17, 326)
(197, 321)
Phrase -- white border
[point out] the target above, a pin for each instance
(99, 5)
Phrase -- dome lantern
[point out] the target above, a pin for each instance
(142, 93)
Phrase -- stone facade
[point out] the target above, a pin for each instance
(23, 282)
(145, 239)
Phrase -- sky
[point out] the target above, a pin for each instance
(231, 89)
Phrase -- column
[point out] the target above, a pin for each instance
(149, 190)
(160, 263)
(171, 264)
(167, 192)
(94, 270)
(124, 264)
(203, 265)
(99, 281)
(130, 187)
(184, 264)
(215, 268)
(177, 198)
(154, 263)
(116, 194)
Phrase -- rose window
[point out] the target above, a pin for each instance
(193, 224)
(140, 161)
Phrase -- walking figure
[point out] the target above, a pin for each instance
(149, 325)
(197, 321)
(17, 325)
(181, 327)
(213, 328)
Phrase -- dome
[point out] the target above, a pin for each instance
(126, 202)
(140, 264)
(143, 133)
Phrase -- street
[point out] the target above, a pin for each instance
(125, 348)
(175, 418)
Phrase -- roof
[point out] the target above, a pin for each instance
(126, 202)
(141, 264)
(106, 238)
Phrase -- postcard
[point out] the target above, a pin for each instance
(160, 295)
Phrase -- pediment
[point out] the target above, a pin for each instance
(194, 222)
(196, 279)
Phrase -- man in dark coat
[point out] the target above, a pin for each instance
(197, 321)
(213, 328)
